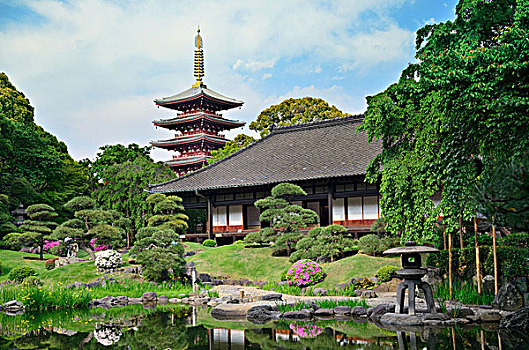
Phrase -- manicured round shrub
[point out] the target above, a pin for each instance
(238, 242)
(50, 264)
(209, 243)
(18, 274)
(284, 274)
(108, 259)
(385, 273)
(369, 244)
(387, 243)
(304, 273)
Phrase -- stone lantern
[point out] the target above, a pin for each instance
(412, 272)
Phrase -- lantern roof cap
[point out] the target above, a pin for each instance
(409, 248)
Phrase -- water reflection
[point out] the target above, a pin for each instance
(180, 327)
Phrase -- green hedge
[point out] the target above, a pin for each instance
(513, 262)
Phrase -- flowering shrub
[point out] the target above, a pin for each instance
(99, 248)
(306, 330)
(305, 273)
(50, 264)
(108, 259)
(50, 244)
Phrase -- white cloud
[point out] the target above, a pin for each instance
(92, 68)
(253, 65)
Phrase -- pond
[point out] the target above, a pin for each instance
(183, 327)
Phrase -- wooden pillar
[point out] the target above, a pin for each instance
(210, 217)
(330, 195)
(496, 274)
(450, 262)
(478, 272)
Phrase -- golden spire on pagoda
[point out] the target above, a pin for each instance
(199, 59)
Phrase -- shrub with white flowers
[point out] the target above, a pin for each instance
(108, 259)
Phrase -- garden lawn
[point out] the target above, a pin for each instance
(11, 259)
(257, 264)
(84, 271)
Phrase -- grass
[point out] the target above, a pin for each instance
(463, 292)
(136, 289)
(322, 303)
(36, 298)
(83, 271)
(257, 264)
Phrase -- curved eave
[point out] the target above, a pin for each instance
(175, 102)
(226, 123)
(186, 161)
(174, 143)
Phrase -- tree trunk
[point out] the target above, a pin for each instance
(478, 272)
(41, 246)
(89, 250)
(450, 262)
(496, 274)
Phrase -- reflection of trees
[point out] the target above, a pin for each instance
(157, 331)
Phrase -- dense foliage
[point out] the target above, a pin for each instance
(239, 142)
(120, 176)
(159, 253)
(294, 111)
(513, 262)
(329, 242)
(460, 107)
(285, 218)
(502, 191)
(36, 230)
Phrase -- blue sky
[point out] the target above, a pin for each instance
(92, 68)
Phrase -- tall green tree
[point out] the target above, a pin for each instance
(34, 165)
(239, 142)
(124, 184)
(294, 111)
(39, 226)
(285, 219)
(460, 107)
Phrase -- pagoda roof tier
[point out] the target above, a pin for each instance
(199, 93)
(183, 141)
(186, 161)
(181, 121)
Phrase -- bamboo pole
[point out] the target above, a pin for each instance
(450, 261)
(496, 275)
(478, 271)
(460, 232)
(444, 236)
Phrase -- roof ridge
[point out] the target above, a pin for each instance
(319, 122)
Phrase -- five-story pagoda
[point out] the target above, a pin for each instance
(198, 122)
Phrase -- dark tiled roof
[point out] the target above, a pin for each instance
(330, 148)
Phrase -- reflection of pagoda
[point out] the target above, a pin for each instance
(198, 121)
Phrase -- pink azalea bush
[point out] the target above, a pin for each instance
(50, 244)
(98, 248)
(305, 273)
(306, 330)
